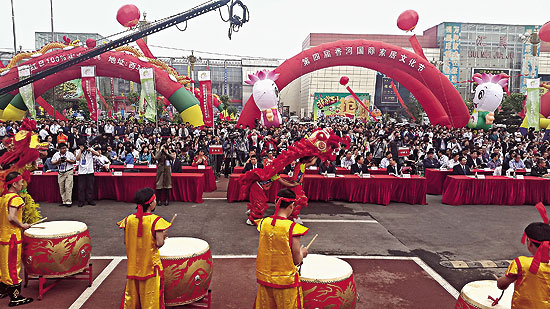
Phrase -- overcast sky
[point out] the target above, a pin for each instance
(276, 28)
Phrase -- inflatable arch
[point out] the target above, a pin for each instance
(116, 64)
(433, 90)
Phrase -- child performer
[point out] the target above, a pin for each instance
(279, 251)
(531, 274)
(144, 234)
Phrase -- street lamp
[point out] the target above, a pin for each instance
(192, 59)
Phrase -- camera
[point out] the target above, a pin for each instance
(63, 159)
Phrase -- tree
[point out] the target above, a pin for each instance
(83, 107)
(226, 101)
(509, 109)
(133, 97)
(415, 108)
(513, 103)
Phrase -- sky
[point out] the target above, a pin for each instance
(276, 28)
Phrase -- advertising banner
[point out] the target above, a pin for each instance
(340, 104)
(451, 51)
(206, 98)
(529, 63)
(27, 92)
(532, 103)
(148, 93)
(89, 88)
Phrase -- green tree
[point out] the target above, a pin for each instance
(133, 97)
(83, 107)
(226, 101)
(513, 103)
(415, 108)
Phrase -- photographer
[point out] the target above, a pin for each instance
(65, 160)
(164, 156)
(84, 156)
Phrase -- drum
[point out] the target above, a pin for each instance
(56, 249)
(187, 264)
(475, 295)
(327, 282)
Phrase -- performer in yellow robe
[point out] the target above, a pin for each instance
(531, 274)
(11, 213)
(279, 252)
(144, 233)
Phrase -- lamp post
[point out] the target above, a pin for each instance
(13, 27)
(192, 59)
(53, 40)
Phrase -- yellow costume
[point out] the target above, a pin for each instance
(531, 290)
(277, 276)
(144, 279)
(10, 239)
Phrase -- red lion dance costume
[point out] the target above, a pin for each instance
(321, 143)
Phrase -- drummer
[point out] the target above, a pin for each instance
(279, 281)
(530, 274)
(144, 276)
(11, 212)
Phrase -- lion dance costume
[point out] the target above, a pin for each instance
(321, 143)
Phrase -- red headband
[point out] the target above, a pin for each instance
(139, 215)
(278, 204)
(7, 183)
(542, 251)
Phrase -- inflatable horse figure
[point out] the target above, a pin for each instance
(487, 98)
(266, 96)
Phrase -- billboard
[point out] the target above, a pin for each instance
(330, 104)
(486, 71)
(388, 96)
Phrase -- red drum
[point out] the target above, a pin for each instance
(56, 249)
(327, 282)
(187, 264)
(475, 295)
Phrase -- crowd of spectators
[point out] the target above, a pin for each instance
(373, 145)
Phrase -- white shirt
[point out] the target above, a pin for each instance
(345, 162)
(43, 134)
(109, 128)
(86, 162)
(64, 166)
(54, 128)
(2, 131)
(452, 163)
(384, 163)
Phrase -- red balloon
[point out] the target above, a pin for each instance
(407, 20)
(90, 43)
(128, 15)
(544, 32)
(344, 80)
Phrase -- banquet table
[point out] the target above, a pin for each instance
(207, 171)
(495, 190)
(309, 171)
(186, 187)
(436, 177)
(377, 189)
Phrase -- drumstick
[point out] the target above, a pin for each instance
(311, 242)
(173, 218)
(39, 221)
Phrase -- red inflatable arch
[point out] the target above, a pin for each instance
(112, 64)
(433, 90)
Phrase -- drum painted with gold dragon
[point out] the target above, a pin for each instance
(475, 295)
(187, 264)
(327, 282)
(56, 249)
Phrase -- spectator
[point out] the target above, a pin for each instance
(84, 156)
(540, 170)
(327, 167)
(461, 168)
(430, 162)
(200, 159)
(516, 163)
(347, 161)
(252, 164)
(494, 162)
(359, 167)
(386, 161)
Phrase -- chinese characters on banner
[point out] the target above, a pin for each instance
(340, 104)
(146, 76)
(532, 103)
(90, 89)
(27, 92)
(451, 51)
(530, 64)
(206, 98)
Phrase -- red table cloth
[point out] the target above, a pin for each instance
(436, 177)
(208, 172)
(339, 171)
(493, 190)
(186, 187)
(378, 189)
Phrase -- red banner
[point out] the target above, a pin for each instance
(90, 90)
(206, 98)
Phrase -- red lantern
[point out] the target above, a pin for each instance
(128, 15)
(407, 20)
(544, 32)
(91, 43)
(344, 80)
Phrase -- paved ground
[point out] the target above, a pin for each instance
(415, 234)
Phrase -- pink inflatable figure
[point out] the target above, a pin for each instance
(266, 95)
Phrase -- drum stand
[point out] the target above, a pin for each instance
(86, 274)
(202, 303)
